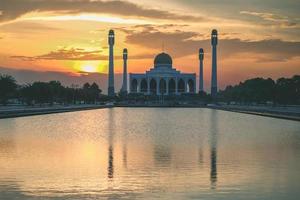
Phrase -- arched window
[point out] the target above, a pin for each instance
(172, 86)
(181, 85)
(144, 85)
(134, 85)
(191, 86)
(153, 86)
(162, 86)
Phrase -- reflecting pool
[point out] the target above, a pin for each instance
(149, 153)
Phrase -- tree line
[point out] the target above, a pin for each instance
(47, 92)
(284, 91)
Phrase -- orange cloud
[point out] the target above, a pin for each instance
(13, 9)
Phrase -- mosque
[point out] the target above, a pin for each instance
(162, 78)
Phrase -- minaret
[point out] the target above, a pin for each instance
(201, 57)
(214, 83)
(111, 41)
(125, 56)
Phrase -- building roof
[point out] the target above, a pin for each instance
(163, 59)
(162, 68)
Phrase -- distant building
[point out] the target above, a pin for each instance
(162, 79)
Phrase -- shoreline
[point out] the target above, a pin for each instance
(31, 111)
(279, 112)
(274, 112)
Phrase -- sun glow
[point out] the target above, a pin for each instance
(83, 17)
(90, 67)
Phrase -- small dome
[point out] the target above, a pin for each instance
(214, 32)
(163, 59)
(201, 54)
(111, 32)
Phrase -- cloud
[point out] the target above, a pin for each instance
(180, 43)
(76, 54)
(66, 54)
(26, 27)
(184, 43)
(280, 20)
(13, 9)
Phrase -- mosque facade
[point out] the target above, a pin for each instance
(162, 79)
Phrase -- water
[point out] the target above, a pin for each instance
(149, 153)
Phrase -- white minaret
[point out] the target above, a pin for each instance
(111, 42)
(214, 83)
(125, 56)
(201, 57)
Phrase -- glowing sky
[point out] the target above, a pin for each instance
(256, 38)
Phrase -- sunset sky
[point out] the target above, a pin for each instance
(257, 38)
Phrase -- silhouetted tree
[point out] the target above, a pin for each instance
(95, 91)
(8, 88)
(90, 92)
(288, 90)
(41, 92)
(259, 90)
(53, 91)
(26, 94)
(56, 91)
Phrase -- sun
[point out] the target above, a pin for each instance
(89, 68)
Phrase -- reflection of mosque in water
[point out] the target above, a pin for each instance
(111, 135)
(162, 155)
(110, 168)
(213, 136)
(162, 150)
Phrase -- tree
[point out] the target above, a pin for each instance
(8, 87)
(296, 81)
(91, 92)
(41, 92)
(56, 90)
(288, 90)
(86, 86)
(257, 90)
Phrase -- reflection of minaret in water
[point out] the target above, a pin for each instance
(200, 150)
(124, 154)
(213, 148)
(110, 162)
(125, 122)
(110, 168)
(200, 155)
(162, 154)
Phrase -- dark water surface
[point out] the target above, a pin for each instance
(149, 153)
